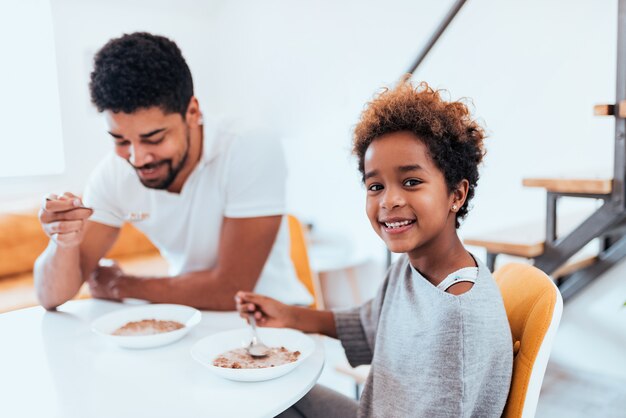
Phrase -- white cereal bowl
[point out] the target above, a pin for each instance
(208, 348)
(106, 324)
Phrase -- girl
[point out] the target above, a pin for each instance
(436, 334)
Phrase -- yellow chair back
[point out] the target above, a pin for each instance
(300, 259)
(533, 306)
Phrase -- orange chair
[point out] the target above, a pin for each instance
(300, 259)
(534, 306)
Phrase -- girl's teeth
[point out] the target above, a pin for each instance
(396, 224)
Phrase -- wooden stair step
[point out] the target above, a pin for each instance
(618, 110)
(531, 251)
(568, 185)
(573, 266)
(604, 110)
(526, 239)
(500, 246)
(528, 242)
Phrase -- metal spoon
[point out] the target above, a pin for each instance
(256, 348)
(131, 217)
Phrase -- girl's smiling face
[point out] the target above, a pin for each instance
(408, 202)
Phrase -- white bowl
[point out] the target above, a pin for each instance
(106, 324)
(208, 348)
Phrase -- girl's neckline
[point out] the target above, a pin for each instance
(475, 262)
(420, 278)
(464, 274)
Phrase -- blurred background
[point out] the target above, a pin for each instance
(304, 70)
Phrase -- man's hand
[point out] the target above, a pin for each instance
(63, 219)
(105, 281)
(75, 246)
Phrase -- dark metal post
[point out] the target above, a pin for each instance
(491, 261)
(599, 223)
(619, 175)
(607, 259)
(551, 202)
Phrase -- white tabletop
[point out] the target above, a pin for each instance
(53, 365)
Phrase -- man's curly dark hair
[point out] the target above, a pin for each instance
(454, 140)
(138, 71)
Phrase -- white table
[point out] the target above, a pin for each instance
(53, 365)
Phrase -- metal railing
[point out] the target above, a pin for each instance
(447, 19)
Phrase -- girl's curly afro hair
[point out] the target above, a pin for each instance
(453, 138)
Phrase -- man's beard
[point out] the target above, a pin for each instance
(172, 171)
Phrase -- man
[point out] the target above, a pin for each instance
(214, 201)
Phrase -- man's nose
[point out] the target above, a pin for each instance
(138, 156)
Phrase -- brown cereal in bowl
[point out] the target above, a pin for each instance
(147, 327)
(240, 359)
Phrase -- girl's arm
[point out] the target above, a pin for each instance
(271, 313)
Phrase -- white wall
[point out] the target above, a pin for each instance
(305, 69)
(30, 115)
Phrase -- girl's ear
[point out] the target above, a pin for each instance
(459, 195)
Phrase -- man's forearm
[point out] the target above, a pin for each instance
(201, 289)
(57, 275)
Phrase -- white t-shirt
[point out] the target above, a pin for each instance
(236, 177)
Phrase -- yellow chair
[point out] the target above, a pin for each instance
(533, 306)
(300, 259)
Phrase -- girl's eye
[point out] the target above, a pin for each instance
(374, 187)
(412, 182)
(121, 143)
